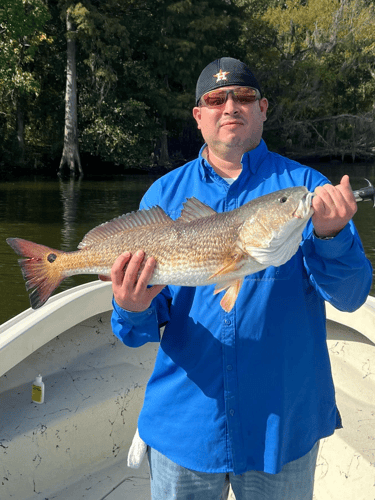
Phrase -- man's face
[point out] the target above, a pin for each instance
(232, 127)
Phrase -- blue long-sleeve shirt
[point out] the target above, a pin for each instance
(250, 389)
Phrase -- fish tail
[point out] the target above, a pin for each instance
(40, 269)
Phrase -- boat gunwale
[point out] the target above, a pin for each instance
(31, 329)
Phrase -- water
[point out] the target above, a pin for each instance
(59, 214)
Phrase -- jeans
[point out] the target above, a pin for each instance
(170, 481)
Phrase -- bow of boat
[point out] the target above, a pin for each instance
(75, 444)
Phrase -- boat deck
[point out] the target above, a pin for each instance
(115, 483)
(74, 446)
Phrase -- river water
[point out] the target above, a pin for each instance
(59, 213)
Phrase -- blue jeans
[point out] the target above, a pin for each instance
(170, 481)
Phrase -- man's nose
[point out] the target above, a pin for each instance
(230, 105)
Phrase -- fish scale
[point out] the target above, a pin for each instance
(201, 247)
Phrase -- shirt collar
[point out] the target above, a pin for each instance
(206, 170)
(205, 167)
(251, 160)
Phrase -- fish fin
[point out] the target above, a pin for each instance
(230, 297)
(38, 269)
(194, 209)
(154, 216)
(234, 263)
(220, 287)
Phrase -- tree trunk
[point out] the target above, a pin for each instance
(164, 154)
(20, 131)
(70, 155)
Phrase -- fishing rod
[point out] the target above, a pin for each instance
(365, 194)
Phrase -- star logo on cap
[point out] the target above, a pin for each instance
(222, 75)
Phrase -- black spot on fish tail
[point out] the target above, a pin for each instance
(51, 257)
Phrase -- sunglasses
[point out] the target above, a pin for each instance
(242, 95)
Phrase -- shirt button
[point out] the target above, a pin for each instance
(229, 368)
(227, 321)
(231, 412)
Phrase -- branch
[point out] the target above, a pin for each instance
(325, 118)
(320, 135)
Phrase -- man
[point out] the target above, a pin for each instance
(241, 397)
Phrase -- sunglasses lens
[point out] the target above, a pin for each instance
(243, 95)
(215, 98)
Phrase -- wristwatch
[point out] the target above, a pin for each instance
(323, 237)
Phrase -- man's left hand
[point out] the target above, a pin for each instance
(333, 206)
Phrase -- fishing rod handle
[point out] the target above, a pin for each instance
(365, 194)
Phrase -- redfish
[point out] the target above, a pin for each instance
(202, 247)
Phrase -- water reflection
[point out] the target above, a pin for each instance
(69, 194)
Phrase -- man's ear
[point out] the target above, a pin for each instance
(197, 113)
(263, 105)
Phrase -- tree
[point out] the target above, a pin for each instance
(22, 31)
(114, 123)
(140, 61)
(137, 63)
(323, 88)
(175, 40)
(70, 154)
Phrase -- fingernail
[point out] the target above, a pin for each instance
(139, 253)
(126, 254)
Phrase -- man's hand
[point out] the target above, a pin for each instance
(333, 206)
(130, 292)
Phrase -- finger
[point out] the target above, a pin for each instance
(317, 203)
(323, 201)
(344, 187)
(133, 267)
(154, 291)
(102, 277)
(343, 198)
(118, 268)
(146, 275)
(336, 198)
(332, 198)
(346, 190)
(345, 182)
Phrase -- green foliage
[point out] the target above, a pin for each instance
(149, 53)
(21, 28)
(323, 77)
(138, 62)
(22, 33)
(121, 134)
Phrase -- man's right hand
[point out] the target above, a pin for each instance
(130, 292)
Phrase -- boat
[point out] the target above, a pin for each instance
(75, 445)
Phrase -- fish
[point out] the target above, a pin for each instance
(201, 247)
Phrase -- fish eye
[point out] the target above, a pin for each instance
(283, 199)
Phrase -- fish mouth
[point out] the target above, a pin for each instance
(304, 209)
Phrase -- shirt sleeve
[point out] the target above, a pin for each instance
(137, 328)
(338, 268)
